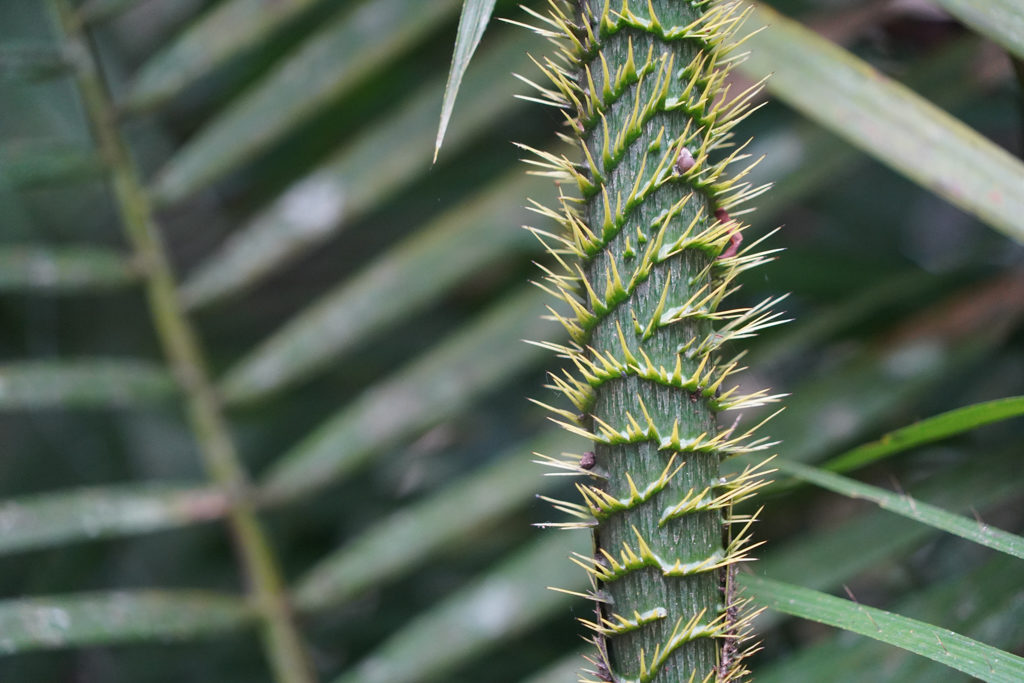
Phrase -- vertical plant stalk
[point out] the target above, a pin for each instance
(281, 636)
(649, 247)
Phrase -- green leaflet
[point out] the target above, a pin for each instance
(974, 602)
(55, 519)
(504, 602)
(646, 253)
(220, 35)
(913, 136)
(359, 41)
(480, 231)
(434, 386)
(472, 22)
(952, 649)
(20, 62)
(396, 544)
(1000, 20)
(926, 431)
(86, 383)
(906, 506)
(47, 162)
(62, 621)
(69, 269)
(282, 641)
(565, 669)
(98, 10)
(827, 558)
(357, 178)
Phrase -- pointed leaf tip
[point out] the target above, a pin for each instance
(472, 22)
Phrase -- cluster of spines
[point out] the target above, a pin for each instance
(701, 160)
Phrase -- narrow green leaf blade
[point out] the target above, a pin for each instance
(386, 157)
(35, 163)
(845, 402)
(967, 603)
(65, 269)
(26, 62)
(914, 137)
(347, 50)
(407, 538)
(505, 602)
(434, 386)
(824, 559)
(901, 504)
(813, 331)
(946, 647)
(78, 620)
(56, 519)
(100, 10)
(1000, 20)
(472, 22)
(88, 383)
(479, 231)
(926, 431)
(225, 32)
(565, 670)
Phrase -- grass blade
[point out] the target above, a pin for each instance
(436, 385)
(1000, 20)
(88, 383)
(914, 137)
(901, 504)
(926, 431)
(78, 620)
(346, 51)
(456, 244)
(503, 603)
(946, 647)
(472, 22)
(56, 519)
(384, 158)
(67, 269)
(411, 535)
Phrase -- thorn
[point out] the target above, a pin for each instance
(902, 493)
(861, 607)
(982, 527)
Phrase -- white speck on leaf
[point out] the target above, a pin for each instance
(314, 206)
(494, 607)
(913, 360)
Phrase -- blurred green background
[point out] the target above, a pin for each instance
(345, 289)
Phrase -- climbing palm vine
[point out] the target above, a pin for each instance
(263, 381)
(649, 248)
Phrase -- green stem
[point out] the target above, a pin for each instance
(690, 538)
(657, 253)
(281, 635)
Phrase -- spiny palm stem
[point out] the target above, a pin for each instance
(647, 253)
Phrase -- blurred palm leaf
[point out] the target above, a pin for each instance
(361, 313)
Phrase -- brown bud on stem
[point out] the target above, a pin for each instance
(685, 161)
(735, 237)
